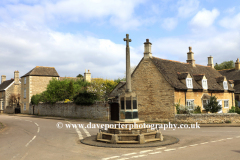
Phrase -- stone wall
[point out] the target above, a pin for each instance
(155, 94)
(98, 111)
(207, 118)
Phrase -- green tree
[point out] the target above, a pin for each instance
(225, 65)
(80, 76)
(213, 105)
(70, 90)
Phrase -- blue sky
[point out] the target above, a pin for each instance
(74, 35)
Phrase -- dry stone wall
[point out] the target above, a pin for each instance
(99, 111)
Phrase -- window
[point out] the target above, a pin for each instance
(205, 102)
(190, 104)
(226, 104)
(204, 84)
(24, 96)
(189, 82)
(25, 80)
(24, 107)
(225, 86)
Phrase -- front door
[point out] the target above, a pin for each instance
(220, 102)
(115, 111)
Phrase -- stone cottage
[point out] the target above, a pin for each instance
(160, 84)
(7, 88)
(35, 82)
(233, 75)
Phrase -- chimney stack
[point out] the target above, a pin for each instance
(190, 57)
(3, 78)
(16, 77)
(237, 65)
(210, 62)
(87, 76)
(147, 49)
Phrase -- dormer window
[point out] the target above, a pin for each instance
(204, 84)
(225, 85)
(189, 82)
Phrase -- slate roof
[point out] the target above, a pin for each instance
(5, 84)
(231, 74)
(170, 69)
(198, 77)
(42, 71)
(234, 75)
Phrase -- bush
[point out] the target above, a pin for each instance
(234, 110)
(197, 109)
(85, 98)
(213, 105)
(35, 99)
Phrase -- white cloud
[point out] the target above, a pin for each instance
(22, 49)
(218, 45)
(230, 10)
(169, 23)
(204, 18)
(119, 12)
(231, 22)
(187, 7)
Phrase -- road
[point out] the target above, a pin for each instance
(29, 138)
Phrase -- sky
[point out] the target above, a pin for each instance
(74, 35)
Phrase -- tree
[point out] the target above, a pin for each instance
(213, 105)
(14, 99)
(225, 65)
(80, 76)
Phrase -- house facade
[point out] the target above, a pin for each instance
(7, 88)
(35, 82)
(233, 75)
(160, 84)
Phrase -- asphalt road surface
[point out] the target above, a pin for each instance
(29, 138)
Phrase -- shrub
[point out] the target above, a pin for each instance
(197, 109)
(213, 105)
(232, 110)
(85, 98)
(35, 99)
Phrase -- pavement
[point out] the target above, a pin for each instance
(28, 137)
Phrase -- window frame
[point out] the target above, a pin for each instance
(207, 101)
(190, 100)
(225, 85)
(227, 102)
(204, 87)
(25, 93)
(189, 83)
(24, 106)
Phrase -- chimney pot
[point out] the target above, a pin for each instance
(237, 65)
(147, 49)
(190, 58)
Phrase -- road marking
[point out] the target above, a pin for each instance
(182, 147)
(24, 156)
(145, 151)
(87, 133)
(229, 138)
(80, 137)
(220, 140)
(30, 141)
(213, 141)
(134, 156)
(143, 155)
(111, 157)
(38, 129)
(129, 154)
(155, 152)
(204, 143)
(36, 124)
(238, 137)
(160, 148)
(193, 145)
(170, 150)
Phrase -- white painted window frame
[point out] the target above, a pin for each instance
(208, 100)
(226, 100)
(190, 100)
(204, 81)
(189, 83)
(225, 85)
